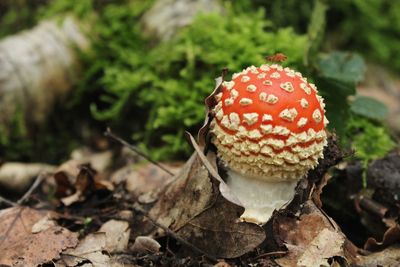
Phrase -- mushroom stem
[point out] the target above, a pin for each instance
(260, 197)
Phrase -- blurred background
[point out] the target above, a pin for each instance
(70, 69)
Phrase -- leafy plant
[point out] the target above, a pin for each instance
(370, 140)
(369, 108)
(337, 76)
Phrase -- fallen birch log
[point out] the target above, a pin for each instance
(37, 68)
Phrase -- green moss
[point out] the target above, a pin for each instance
(172, 79)
(369, 139)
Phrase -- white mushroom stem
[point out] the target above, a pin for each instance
(260, 197)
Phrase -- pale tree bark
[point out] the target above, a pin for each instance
(38, 67)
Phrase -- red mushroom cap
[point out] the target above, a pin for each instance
(269, 123)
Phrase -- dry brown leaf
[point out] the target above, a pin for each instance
(209, 102)
(217, 231)
(222, 264)
(19, 246)
(117, 235)
(145, 244)
(391, 236)
(89, 249)
(389, 257)
(43, 224)
(185, 198)
(310, 239)
(193, 207)
(75, 183)
(145, 180)
(212, 170)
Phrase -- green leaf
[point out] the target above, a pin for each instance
(335, 93)
(343, 66)
(369, 108)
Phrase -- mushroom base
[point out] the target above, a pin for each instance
(259, 197)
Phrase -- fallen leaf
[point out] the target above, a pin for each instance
(90, 248)
(223, 187)
(145, 181)
(391, 236)
(218, 231)
(222, 264)
(193, 208)
(145, 244)
(184, 198)
(27, 241)
(311, 239)
(117, 235)
(389, 257)
(210, 103)
(43, 224)
(76, 187)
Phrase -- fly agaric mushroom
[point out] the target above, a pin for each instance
(269, 130)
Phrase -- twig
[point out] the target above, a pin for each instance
(175, 236)
(28, 193)
(108, 133)
(8, 202)
(181, 240)
(271, 254)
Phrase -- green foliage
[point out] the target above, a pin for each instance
(171, 80)
(371, 27)
(17, 15)
(78, 8)
(369, 108)
(370, 140)
(315, 32)
(336, 79)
